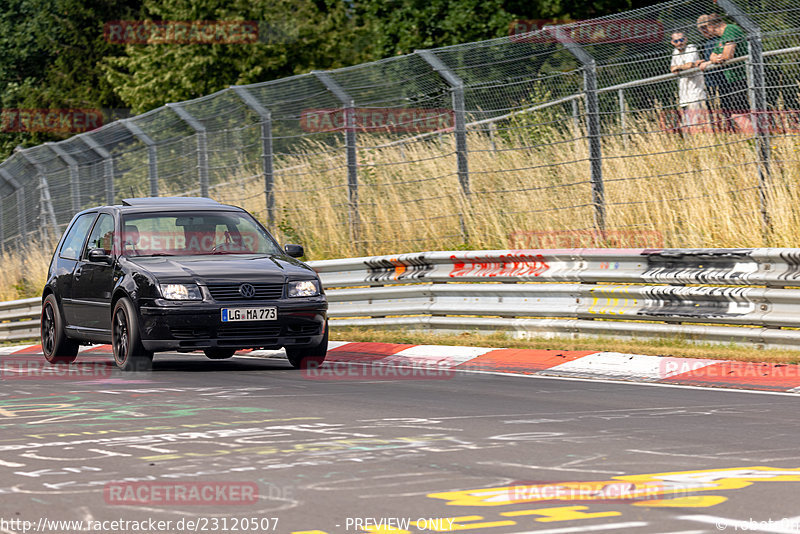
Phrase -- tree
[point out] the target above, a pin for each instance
(401, 26)
(49, 55)
(295, 36)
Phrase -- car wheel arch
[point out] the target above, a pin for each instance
(120, 293)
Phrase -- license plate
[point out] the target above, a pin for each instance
(249, 314)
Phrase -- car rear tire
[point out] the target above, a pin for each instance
(56, 346)
(126, 341)
(308, 357)
(219, 354)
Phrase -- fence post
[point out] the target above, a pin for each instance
(457, 88)
(266, 149)
(202, 146)
(152, 153)
(350, 142)
(108, 164)
(21, 215)
(45, 200)
(592, 128)
(74, 182)
(758, 105)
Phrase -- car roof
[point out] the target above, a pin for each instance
(148, 204)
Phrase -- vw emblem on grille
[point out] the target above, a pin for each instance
(247, 291)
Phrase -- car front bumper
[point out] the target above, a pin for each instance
(197, 326)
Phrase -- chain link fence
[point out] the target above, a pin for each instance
(577, 131)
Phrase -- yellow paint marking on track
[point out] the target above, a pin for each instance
(561, 513)
(695, 501)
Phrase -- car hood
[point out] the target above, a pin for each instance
(223, 268)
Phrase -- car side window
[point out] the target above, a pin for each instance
(77, 234)
(102, 235)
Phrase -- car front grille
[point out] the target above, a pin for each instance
(227, 292)
(303, 329)
(189, 333)
(254, 330)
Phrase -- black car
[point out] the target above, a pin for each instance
(184, 274)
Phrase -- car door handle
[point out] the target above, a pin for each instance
(77, 273)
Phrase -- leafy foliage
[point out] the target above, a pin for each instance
(53, 53)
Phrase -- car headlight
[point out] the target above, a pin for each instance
(303, 288)
(181, 292)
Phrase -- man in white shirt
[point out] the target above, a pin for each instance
(691, 87)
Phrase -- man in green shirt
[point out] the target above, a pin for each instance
(733, 93)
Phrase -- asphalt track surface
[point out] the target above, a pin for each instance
(466, 452)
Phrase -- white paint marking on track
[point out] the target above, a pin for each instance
(587, 528)
(281, 353)
(633, 366)
(6, 351)
(437, 354)
(337, 344)
(623, 383)
(546, 468)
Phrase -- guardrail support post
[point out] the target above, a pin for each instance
(459, 108)
(202, 145)
(758, 105)
(350, 143)
(74, 182)
(108, 163)
(592, 129)
(266, 149)
(152, 153)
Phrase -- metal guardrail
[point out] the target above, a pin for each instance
(743, 296)
(19, 319)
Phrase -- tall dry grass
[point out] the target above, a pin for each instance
(673, 190)
(23, 273)
(661, 189)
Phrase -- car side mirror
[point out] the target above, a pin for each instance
(295, 251)
(98, 255)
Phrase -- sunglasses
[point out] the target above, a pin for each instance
(682, 39)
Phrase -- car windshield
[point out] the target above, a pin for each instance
(192, 233)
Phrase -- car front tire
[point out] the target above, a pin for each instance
(308, 357)
(126, 341)
(56, 346)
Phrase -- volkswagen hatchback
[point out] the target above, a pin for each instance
(182, 274)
